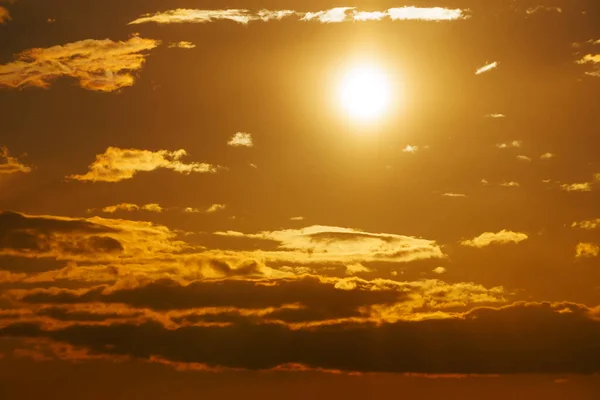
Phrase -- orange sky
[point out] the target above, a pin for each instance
(365, 198)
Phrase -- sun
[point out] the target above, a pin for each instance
(365, 92)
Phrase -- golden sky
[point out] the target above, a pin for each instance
(297, 198)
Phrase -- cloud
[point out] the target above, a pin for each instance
(333, 15)
(215, 207)
(353, 269)
(297, 219)
(4, 15)
(577, 187)
(11, 165)
(489, 238)
(511, 184)
(454, 195)
(117, 164)
(410, 149)
(496, 115)
(514, 143)
(440, 270)
(533, 10)
(523, 158)
(547, 156)
(319, 244)
(182, 45)
(133, 207)
(587, 250)
(101, 65)
(590, 224)
(241, 139)
(486, 68)
(480, 341)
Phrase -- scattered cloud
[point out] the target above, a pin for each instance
(533, 10)
(182, 45)
(11, 165)
(547, 156)
(523, 158)
(590, 224)
(100, 65)
(133, 207)
(454, 195)
(333, 15)
(489, 238)
(594, 60)
(510, 184)
(587, 250)
(241, 139)
(486, 68)
(577, 187)
(120, 164)
(410, 149)
(514, 143)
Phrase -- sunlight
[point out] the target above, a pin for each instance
(365, 92)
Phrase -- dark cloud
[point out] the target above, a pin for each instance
(522, 338)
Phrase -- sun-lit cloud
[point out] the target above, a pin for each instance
(547, 156)
(496, 115)
(587, 250)
(215, 207)
(357, 268)
(577, 187)
(440, 270)
(152, 207)
(241, 139)
(297, 218)
(486, 68)
(510, 184)
(589, 224)
(533, 10)
(521, 157)
(4, 15)
(11, 165)
(182, 45)
(333, 15)
(101, 65)
(117, 164)
(410, 149)
(318, 244)
(502, 237)
(454, 195)
(514, 144)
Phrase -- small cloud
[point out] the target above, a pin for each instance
(132, 207)
(11, 165)
(486, 68)
(547, 156)
(51, 20)
(440, 270)
(502, 237)
(117, 164)
(484, 182)
(297, 219)
(215, 207)
(577, 187)
(410, 149)
(454, 195)
(357, 268)
(495, 115)
(152, 208)
(587, 250)
(523, 158)
(253, 166)
(241, 139)
(590, 224)
(182, 45)
(533, 10)
(513, 144)
(511, 184)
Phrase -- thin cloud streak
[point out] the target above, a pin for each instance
(486, 68)
(11, 165)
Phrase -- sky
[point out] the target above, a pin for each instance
(295, 198)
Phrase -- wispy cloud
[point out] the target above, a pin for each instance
(486, 68)
(117, 164)
(523, 158)
(587, 250)
(489, 238)
(454, 195)
(9, 164)
(533, 10)
(182, 45)
(213, 208)
(577, 187)
(241, 139)
(410, 149)
(589, 224)
(333, 15)
(496, 115)
(511, 184)
(514, 143)
(152, 207)
(547, 156)
(101, 65)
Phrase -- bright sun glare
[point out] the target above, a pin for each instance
(365, 92)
